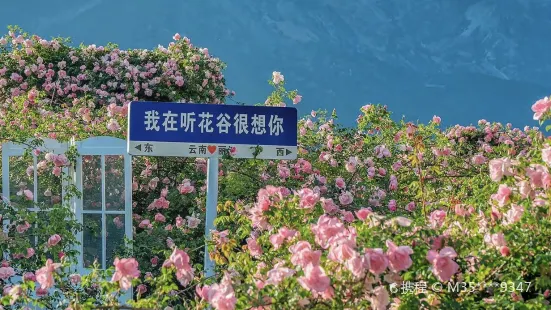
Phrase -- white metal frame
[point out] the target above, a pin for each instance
(95, 146)
(11, 149)
(103, 146)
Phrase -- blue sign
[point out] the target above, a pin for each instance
(210, 130)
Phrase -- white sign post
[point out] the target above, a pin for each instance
(211, 131)
(212, 203)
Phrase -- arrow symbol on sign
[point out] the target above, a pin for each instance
(287, 152)
(139, 147)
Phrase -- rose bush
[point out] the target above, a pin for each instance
(389, 214)
(51, 90)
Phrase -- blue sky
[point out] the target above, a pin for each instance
(462, 60)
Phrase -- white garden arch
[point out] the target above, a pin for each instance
(109, 198)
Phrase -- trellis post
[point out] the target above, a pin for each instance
(211, 208)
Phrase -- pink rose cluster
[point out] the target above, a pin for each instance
(337, 242)
(220, 296)
(340, 241)
(126, 269)
(44, 275)
(180, 261)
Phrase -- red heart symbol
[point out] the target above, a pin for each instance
(211, 148)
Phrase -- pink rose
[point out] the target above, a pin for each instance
(328, 205)
(254, 248)
(363, 213)
(179, 221)
(497, 239)
(44, 275)
(303, 255)
(347, 216)
(219, 296)
(28, 194)
(192, 222)
(398, 256)
(346, 198)
(277, 240)
(287, 233)
(505, 251)
(382, 151)
(339, 182)
(180, 260)
(280, 237)
(357, 265)
(30, 171)
(186, 187)
(524, 188)
(437, 218)
(392, 205)
(540, 107)
(141, 289)
(342, 251)
(277, 77)
(56, 171)
(30, 253)
(75, 278)
(502, 195)
(160, 218)
(54, 240)
(397, 165)
(308, 198)
(539, 176)
(40, 292)
(29, 276)
(327, 228)
(23, 227)
(117, 221)
(436, 120)
(380, 298)
(378, 262)
(546, 155)
(499, 168)
(442, 262)
(6, 273)
(314, 279)
(277, 274)
(393, 183)
(350, 166)
(113, 125)
(478, 159)
(60, 160)
(513, 215)
(410, 206)
(126, 269)
(145, 224)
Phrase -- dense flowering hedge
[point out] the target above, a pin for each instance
(389, 214)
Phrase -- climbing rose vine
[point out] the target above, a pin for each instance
(388, 214)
